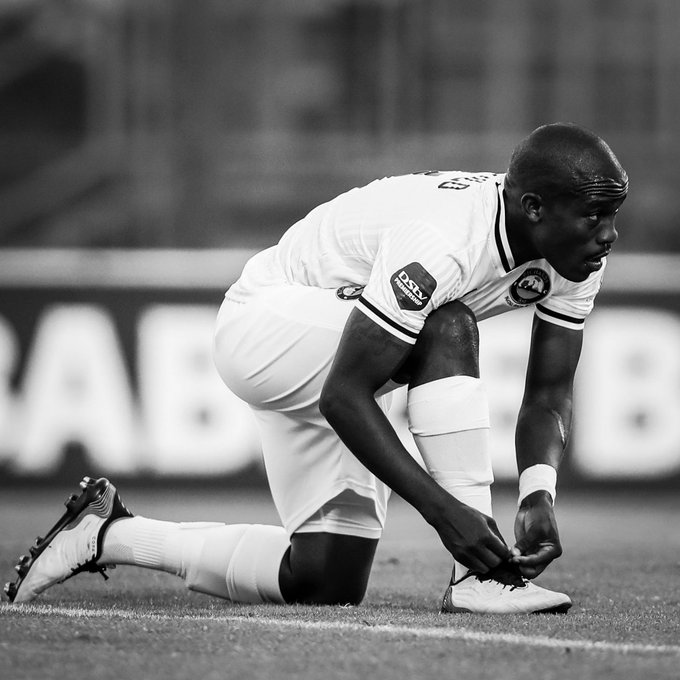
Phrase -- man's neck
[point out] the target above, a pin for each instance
(516, 228)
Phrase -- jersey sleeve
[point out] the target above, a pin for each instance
(414, 273)
(570, 305)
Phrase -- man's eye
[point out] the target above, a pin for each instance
(593, 218)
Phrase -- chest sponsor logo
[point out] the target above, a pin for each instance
(349, 292)
(532, 285)
(413, 286)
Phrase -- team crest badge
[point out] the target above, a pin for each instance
(349, 292)
(533, 285)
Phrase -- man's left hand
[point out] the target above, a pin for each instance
(538, 541)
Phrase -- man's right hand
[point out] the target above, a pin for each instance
(472, 538)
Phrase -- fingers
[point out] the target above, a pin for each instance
(495, 541)
(546, 553)
(474, 564)
(533, 564)
(492, 554)
(499, 548)
(531, 572)
(483, 557)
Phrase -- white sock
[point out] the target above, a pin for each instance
(449, 420)
(239, 562)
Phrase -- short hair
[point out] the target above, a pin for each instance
(563, 159)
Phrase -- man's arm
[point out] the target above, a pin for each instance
(366, 359)
(541, 437)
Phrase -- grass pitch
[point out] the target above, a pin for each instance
(621, 567)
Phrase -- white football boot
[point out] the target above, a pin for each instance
(502, 593)
(73, 544)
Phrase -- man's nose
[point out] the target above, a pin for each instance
(608, 233)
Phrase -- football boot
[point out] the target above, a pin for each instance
(73, 544)
(502, 591)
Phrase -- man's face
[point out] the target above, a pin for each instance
(576, 233)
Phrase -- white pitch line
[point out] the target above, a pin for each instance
(432, 633)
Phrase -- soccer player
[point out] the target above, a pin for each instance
(380, 287)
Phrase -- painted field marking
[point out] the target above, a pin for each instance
(432, 633)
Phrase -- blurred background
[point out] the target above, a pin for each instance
(149, 146)
(203, 123)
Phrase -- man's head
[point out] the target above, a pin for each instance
(564, 186)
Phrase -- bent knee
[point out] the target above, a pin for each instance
(324, 568)
(454, 319)
(447, 345)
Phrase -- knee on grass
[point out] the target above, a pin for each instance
(322, 568)
(316, 589)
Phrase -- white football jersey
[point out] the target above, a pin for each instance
(403, 246)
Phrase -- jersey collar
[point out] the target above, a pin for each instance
(501, 246)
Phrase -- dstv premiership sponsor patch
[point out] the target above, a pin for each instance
(413, 286)
(349, 292)
(532, 285)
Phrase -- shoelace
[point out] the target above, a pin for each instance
(92, 567)
(520, 581)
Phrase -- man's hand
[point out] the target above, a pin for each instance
(472, 538)
(538, 542)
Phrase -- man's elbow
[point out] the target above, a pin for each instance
(343, 401)
(336, 403)
(328, 402)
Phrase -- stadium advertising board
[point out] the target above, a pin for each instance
(112, 352)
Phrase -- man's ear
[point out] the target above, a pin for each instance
(532, 206)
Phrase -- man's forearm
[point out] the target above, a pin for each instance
(541, 438)
(542, 434)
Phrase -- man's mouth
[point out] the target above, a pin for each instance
(595, 262)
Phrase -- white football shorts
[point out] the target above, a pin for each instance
(274, 351)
